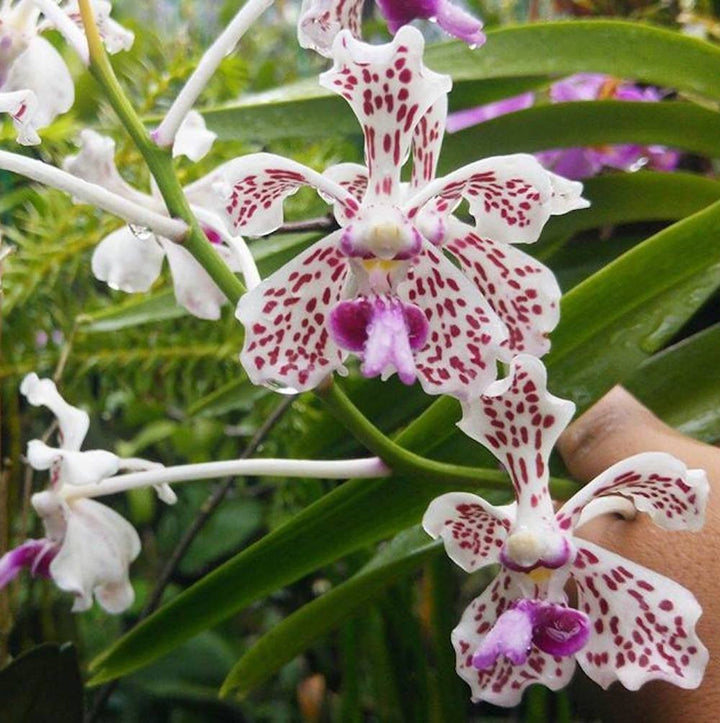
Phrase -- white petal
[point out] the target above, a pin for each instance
(193, 139)
(83, 468)
(21, 105)
(114, 35)
(73, 422)
(42, 70)
(126, 262)
(657, 483)
(39, 455)
(95, 163)
(194, 289)
(96, 553)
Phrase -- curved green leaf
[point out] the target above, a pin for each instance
(680, 387)
(296, 632)
(587, 123)
(610, 324)
(643, 196)
(620, 48)
(514, 59)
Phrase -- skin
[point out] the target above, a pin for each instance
(616, 427)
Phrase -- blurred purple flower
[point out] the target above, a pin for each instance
(582, 162)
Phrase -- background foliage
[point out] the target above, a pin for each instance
(308, 611)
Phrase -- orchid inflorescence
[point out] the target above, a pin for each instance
(405, 286)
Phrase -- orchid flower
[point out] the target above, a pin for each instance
(321, 20)
(380, 287)
(629, 623)
(88, 547)
(35, 83)
(130, 258)
(577, 163)
(585, 162)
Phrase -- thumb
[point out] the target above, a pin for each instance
(619, 426)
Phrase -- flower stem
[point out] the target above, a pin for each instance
(319, 469)
(403, 461)
(134, 213)
(165, 133)
(159, 161)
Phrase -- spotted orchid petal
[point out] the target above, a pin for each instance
(21, 105)
(519, 421)
(193, 139)
(426, 143)
(674, 496)
(472, 530)
(95, 163)
(321, 20)
(256, 185)
(389, 90)
(78, 468)
(194, 289)
(41, 70)
(464, 338)
(354, 179)
(128, 261)
(510, 197)
(287, 339)
(451, 18)
(35, 555)
(643, 623)
(73, 422)
(566, 195)
(97, 546)
(523, 292)
(503, 683)
(115, 37)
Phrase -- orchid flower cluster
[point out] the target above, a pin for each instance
(407, 286)
(35, 83)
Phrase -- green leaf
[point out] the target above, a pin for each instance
(610, 324)
(302, 109)
(619, 316)
(680, 385)
(42, 685)
(629, 197)
(402, 555)
(587, 123)
(512, 57)
(134, 311)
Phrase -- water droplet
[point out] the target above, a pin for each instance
(280, 387)
(473, 46)
(141, 233)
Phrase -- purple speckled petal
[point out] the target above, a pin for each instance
(643, 623)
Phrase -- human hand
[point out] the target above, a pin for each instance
(617, 427)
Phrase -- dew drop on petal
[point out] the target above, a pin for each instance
(280, 388)
(141, 233)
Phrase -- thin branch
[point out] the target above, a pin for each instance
(165, 133)
(91, 193)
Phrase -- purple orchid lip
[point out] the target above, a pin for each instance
(383, 331)
(551, 627)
